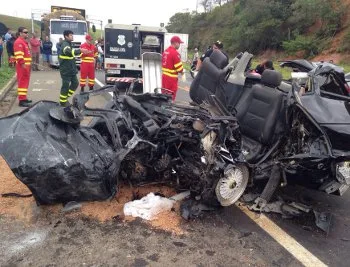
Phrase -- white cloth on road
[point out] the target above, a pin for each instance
(148, 207)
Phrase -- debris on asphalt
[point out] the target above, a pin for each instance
(323, 220)
(26, 209)
(20, 208)
(191, 209)
(148, 207)
(181, 196)
(71, 206)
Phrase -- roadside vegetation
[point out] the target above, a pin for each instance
(14, 23)
(6, 73)
(303, 27)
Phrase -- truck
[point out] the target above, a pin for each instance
(125, 46)
(59, 20)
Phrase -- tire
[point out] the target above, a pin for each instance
(192, 71)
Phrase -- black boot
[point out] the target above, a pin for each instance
(65, 104)
(91, 88)
(82, 89)
(25, 103)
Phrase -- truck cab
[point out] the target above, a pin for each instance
(56, 29)
(125, 45)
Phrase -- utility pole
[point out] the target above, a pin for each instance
(96, 20)
(32, 15)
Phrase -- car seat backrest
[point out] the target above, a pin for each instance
(210, 75)
(271, 78)
(219, 59)
(258, 110)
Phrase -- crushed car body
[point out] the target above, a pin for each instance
(243, 134)
(136, 138)
(292, 131)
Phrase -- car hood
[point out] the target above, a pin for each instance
(327, 111)
(300, 65)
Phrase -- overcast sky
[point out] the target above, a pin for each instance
(146, 12)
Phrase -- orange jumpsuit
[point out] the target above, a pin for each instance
(23, 62)
(87, 66)
(171, 66)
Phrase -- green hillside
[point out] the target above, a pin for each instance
(14, 23)
(304, 27)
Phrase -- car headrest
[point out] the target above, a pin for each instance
(271, 78)
(219, 59)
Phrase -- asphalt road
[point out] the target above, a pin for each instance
(228, 237)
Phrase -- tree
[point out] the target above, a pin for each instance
(180, 22)
(205, 5)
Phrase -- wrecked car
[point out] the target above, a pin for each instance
(243, 133)
(136, 138)
(292, 132)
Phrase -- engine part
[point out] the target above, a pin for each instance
(343, 172)
(269, 189)
(70, 115)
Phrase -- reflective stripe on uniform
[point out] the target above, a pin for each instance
(22, 91)
(87, 61)
(169, 70)
(64, 49)
(70, 92)
(178, 64)
(65, 57)
(18, 53)
(180, 69)
(74, 55)
(170, 75)
(89, 58)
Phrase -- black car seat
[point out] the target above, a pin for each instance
(209, 77)
(258, 112)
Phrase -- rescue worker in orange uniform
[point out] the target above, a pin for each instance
(87, 66)
(23, 63)
(171, 67)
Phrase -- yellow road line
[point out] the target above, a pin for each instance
(186, 88)
(281, 237)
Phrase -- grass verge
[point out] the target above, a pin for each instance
(6, 73)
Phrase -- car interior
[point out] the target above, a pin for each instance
(258, 105)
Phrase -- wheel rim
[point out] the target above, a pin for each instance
(231, 187)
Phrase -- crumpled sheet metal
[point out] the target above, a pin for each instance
(59, 163)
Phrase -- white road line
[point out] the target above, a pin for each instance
(289, 243)
(102, 84)
(99, 83)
